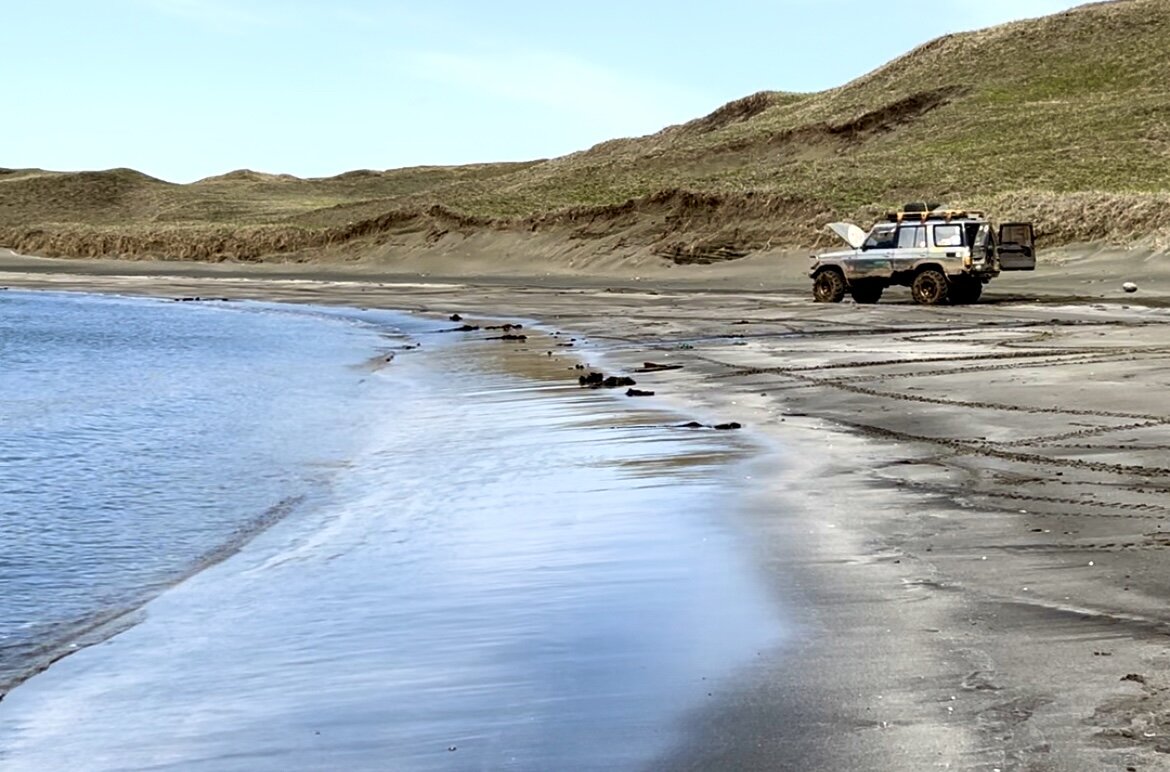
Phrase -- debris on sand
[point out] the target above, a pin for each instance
(510, 336)
(600, 381)
(1130, 287)
(456, 318)
(505, 327)
(639, 393)
(727, 427)
(654, 367)
(462, 328)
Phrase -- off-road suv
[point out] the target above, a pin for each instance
(941, 254)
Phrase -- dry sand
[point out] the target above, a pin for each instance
(970, 507)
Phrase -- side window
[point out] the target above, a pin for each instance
(948, 235)
(982, 237)
(881, 237)
(912, 237)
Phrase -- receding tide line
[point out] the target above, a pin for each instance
(104, 625)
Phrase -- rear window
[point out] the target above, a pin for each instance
(948, 235)
(1016, 233)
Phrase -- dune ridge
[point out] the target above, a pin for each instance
(1059, 120)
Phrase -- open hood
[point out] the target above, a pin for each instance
(852, 235)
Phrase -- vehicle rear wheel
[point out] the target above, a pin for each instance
(966, 291)
(929, 287)
(866, 291)
(829, 286)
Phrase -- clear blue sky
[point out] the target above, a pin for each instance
(183, 89)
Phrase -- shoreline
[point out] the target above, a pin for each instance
(595, 600)
(981, 515)
(1076, 273)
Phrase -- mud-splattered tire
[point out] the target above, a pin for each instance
(829, 286)
(866, 292)
(966, 291)
(929, 288)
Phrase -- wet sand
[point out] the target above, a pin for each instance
(968, 515)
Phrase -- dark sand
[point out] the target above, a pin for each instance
(971, 513)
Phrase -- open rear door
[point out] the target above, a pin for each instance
(1017, 247)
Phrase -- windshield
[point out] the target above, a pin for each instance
(881, 237)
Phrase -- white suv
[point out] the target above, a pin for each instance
(941, 254)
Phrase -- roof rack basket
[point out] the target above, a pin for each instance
(921, 212)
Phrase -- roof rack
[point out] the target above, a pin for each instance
(945, 215)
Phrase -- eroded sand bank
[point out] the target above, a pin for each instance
(972, 515)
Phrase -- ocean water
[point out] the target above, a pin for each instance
(432, 562)
(140, 441)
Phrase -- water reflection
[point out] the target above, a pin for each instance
(142, 438)
(490, 585)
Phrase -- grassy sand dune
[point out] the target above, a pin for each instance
(1061, 120)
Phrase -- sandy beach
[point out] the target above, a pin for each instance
(966, 505)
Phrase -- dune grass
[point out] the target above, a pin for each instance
(1066, 116)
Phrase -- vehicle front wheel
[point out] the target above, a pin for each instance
(829, 286)
(929, 287)
(866, 291)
